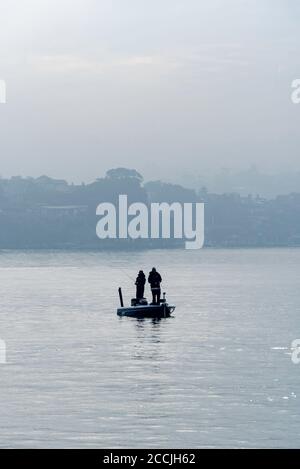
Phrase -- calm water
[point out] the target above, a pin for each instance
(218, 374)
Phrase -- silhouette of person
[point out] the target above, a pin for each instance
(155, 280)
(140, 285)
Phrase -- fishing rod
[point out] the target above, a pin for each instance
(127, 275)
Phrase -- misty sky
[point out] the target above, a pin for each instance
(169, 87)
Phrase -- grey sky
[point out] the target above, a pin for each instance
(165, 86)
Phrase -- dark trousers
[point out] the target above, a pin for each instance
(140, 292)
(156, 295)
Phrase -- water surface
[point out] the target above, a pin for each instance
(218, 374)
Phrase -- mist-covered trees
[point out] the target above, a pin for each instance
(124, 173)
(50, 213)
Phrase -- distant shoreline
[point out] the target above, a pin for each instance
(173, 248)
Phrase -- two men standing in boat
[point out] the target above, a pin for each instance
(155, 280)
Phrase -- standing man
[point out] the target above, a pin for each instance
(140, 285)
(155, 280)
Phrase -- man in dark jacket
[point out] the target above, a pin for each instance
(155, 280)
(140, 285)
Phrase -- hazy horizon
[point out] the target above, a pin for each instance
(168, 88)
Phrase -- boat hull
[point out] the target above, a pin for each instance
(147, 311)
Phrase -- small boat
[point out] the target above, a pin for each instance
(141, 308)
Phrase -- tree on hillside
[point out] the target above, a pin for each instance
(124, 173)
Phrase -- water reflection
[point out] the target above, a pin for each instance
(148, 339)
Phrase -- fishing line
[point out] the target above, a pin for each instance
(127, 275)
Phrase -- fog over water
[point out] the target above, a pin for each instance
(174, 101)
(171, 88)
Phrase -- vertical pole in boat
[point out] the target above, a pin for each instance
(121, 297)
(164, 301)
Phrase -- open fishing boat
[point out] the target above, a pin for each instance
(142, 309)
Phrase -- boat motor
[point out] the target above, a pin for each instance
(163, 299)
